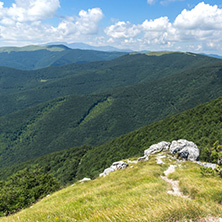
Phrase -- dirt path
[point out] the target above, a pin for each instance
(176, 191)
(159, 159)
(174, 183)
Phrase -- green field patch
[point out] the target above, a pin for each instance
(97, 109)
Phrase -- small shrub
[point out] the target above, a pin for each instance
(205, 171)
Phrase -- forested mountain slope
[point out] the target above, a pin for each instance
(202, 124)
(76, 120)
(22, 89)
(141, 89)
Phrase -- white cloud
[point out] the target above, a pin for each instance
(202, 17)
(191, 29)
(122, 30)
(160, 24)
(22, 23)
(196, 29)
(29, 10)
(151, 2)
(87, 23)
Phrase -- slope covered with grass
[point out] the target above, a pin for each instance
(135, 194)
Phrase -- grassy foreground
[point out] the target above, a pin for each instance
(134, 194)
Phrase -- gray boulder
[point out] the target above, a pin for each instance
(185, 149)
(156, 148)
(115, 166)
(208, 165)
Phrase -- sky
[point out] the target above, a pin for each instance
(153, 25)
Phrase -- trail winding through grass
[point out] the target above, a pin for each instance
(174, 183)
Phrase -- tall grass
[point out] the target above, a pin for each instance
(134, 194)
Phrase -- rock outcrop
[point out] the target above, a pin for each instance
(115, 166)
(185, 149)
(156, 148)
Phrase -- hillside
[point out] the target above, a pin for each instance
(94, 119)
(137, 193)
(22, 89)
(37, 57)
(201, 124)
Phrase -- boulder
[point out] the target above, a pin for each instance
(115, 166)
(84, 180)
(120, 165)
(208, 165)
(185, 149)
(156, 148)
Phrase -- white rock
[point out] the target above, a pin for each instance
(130, 161)
(143, 158)
(156, 148)
(185, 149)
(208, 165)
(159, 159)
(119, 165)
(115, 166)
(84, 180)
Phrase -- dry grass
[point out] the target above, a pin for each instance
(133, 194)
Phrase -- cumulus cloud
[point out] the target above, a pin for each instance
(122, 30)
(199, 28)
(194, 27)
(22, 22)
(160, 24)
(202, 17)
(88, 20)
(29, 10)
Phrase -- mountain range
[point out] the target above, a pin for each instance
(67, 114)
(56, 108)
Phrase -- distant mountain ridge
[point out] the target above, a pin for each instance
(37, 57)
(90, 47)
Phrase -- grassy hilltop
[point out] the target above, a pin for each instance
(135, 194)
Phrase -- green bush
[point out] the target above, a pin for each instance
(24, 188)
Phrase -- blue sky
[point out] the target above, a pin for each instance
(155, 25)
